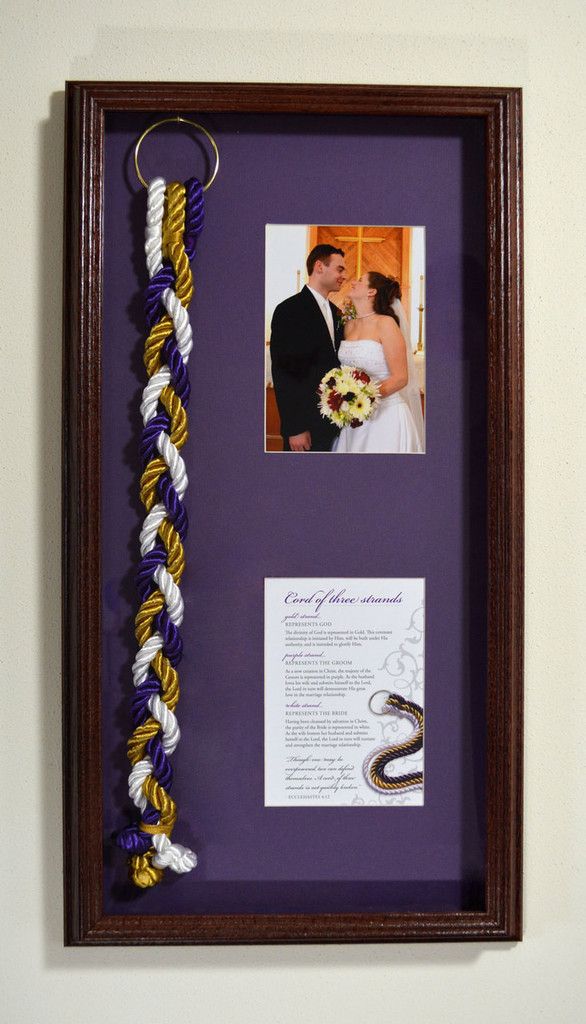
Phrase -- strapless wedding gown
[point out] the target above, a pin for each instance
(391, 428)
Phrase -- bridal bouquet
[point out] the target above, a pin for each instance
(347, 396)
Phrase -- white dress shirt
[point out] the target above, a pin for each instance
(327, 312)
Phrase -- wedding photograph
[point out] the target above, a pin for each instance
(345, 339)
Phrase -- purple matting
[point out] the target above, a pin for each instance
(254, 515)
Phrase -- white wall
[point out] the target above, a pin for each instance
(286, 249)
(286, 252)
(459, 42)
(417, 268)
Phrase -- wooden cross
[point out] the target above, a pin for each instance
(361, 241)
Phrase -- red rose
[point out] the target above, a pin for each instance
(361, 375)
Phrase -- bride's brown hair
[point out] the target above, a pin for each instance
(387, 290)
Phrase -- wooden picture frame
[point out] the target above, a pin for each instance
(498, 915)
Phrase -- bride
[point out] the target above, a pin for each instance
(377, 341)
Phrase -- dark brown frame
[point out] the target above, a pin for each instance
(500, 109)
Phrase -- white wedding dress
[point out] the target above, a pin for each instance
(396, 424)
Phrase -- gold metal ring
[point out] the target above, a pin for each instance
(174, 120)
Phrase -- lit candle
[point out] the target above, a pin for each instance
(421, 289)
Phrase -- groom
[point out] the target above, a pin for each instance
(306, 332)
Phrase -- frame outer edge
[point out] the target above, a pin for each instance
(82, 290)
(86, 103)
(505, 429)
(515, 387)
(69, 631)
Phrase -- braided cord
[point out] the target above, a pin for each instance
(174, 221)
(377, 760)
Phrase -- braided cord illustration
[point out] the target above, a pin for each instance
(377, 760)
(174, 222)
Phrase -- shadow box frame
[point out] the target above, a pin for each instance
(87, 106)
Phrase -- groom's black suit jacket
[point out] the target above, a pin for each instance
(301, 353)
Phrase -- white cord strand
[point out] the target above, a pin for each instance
(153, 244)
(172, 855)
(148, 534)
(171, 593)
(140, 771)
(174, 461)
(181, 324)
(167, 721)
(152, 393)
(145, 654)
